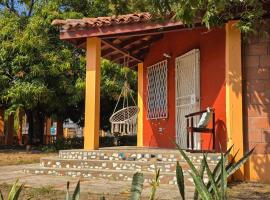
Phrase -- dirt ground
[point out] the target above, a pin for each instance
(18, 157)
(249, 190)
(53, 188)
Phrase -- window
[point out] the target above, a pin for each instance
(157, 91)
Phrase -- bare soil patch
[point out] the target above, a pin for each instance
(249, 190)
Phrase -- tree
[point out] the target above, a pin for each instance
(212, 13)
(43, 75)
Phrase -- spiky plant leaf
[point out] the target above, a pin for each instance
(202, 190)
(1, 196)
(217, 170)
(137, 186)
(154, 184)
(76, 193)
(15, 191)
(211, 178)
(18, 192)
(232, 161)
(202, 169)
(67, 193)
(180, 180)
(192, 167)
(224, 177)
(239, 163)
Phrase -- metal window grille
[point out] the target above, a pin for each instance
(157, 107)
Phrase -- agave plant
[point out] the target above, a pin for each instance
(76, 193)
(137, 186)
(15, 191)
(216, 186)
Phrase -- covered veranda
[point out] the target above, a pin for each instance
(118, 37)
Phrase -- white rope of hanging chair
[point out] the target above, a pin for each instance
(124, 121)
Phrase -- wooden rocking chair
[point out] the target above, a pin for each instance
(191, 128)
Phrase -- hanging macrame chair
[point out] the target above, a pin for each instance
(124, 121)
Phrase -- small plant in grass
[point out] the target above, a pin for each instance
(154, 184)
(216, 186)
(76, 193)
(15, 191)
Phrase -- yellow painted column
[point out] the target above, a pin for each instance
(92, 94)
(234, 112)
(140, 105)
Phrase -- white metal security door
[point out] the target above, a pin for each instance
(187, 93)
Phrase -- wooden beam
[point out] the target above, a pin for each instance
(144, 44)
(121, 50)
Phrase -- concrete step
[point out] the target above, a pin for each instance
(150, 166)
(143, 154)
(116, 175)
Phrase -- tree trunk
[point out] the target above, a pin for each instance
(48, 125)
(2, 125)
(30, 127)
(41, 128)
(59, 129)
(20, 126)
(2, 121)
(10, 132)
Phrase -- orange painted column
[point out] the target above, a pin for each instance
(10, 132)
(92, 94)
(234, 111)
(140, 105)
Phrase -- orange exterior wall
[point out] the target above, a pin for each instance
(212, 77)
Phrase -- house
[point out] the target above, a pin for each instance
(182, 70)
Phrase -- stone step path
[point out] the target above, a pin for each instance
(120, 164)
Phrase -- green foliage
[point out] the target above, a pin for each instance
(216, 186)
(212, 13)
(137, 186)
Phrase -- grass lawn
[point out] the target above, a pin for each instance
(17, 157)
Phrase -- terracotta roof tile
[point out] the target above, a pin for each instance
(102, 21)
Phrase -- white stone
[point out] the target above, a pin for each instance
(103, 164)
(114, 164)
(115, 155)
(167, 166)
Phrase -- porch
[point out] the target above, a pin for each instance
(214, 75)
